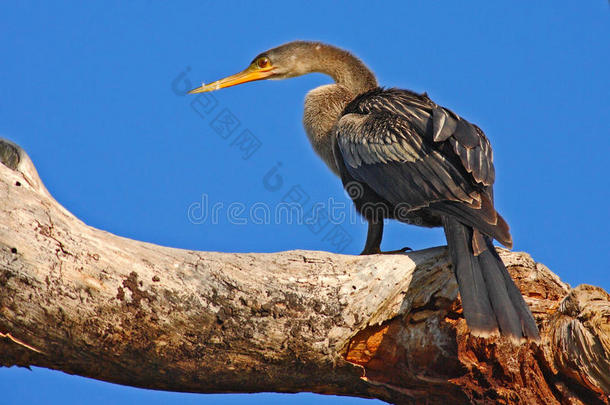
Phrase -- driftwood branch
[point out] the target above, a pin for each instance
(84, 301)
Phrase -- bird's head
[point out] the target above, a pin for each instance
(289, 60)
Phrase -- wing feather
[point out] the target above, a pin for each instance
(411, 151)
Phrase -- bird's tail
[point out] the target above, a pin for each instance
(491, 301)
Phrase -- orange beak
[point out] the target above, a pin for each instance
(251, 74)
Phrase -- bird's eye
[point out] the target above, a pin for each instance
(263, 62)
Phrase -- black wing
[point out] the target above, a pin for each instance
(411, 151)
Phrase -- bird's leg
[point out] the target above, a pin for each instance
(373, 240)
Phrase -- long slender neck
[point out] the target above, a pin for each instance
(324, 105)
(344, 68)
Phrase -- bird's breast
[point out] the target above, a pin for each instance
(323, 107)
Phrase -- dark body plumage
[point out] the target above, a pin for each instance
(403, 157)
(417, 157)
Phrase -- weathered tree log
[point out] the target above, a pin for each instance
(84, 301)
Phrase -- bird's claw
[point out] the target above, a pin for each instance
(387, 252)
(393, 252)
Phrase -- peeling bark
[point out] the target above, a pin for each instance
(84, 301)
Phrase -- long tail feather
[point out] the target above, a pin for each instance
(492, 302)
(475, 301)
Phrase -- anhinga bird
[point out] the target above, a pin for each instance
(401, 156)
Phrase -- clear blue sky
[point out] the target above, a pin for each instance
(92, 92)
